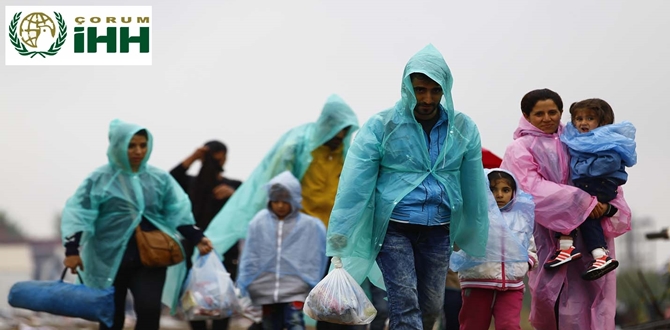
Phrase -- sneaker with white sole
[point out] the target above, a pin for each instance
(562, 257)
(600, 267)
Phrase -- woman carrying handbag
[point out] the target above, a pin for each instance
(125, 217)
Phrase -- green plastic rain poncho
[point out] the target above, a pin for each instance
(293, 152)
(111, 202)
(389, 158)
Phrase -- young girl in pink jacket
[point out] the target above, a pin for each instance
(493, 286)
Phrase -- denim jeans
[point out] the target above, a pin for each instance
(283, 316)
(593, 234)
(414, 260)
(605, 189)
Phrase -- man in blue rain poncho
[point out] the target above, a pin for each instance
(102, 217)
(412, 183)
(313, 153)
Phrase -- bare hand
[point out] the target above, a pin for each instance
(205, 246)
(73, 262)
(223, 191)
(199, 153)
(598, 211)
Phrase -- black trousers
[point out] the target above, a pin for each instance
(221, 324)
(146, 285)
(452, 306)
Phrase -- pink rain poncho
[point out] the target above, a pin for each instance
(541, 163)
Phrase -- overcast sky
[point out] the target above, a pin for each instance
(245, 72)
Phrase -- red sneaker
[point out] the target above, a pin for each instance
(563, 257)
(600, 267)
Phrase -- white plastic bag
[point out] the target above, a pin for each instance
(339, 299)
(209, 292)
(247, 309)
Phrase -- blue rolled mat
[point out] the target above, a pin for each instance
(65, 299)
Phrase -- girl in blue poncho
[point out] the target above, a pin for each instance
(600, 151)
(284, 255)
(493, 286)
(103, 215)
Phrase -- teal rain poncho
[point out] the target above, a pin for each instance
(293, 152)
(389, 158)
(111, 202)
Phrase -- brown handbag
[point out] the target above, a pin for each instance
(157, 249)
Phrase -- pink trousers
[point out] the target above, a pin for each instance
(479, 305)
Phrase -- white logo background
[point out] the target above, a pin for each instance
(66, 55)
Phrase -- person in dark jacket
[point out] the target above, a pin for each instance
(208, 191)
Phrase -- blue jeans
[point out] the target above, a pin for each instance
(414, 260)
(605, 189)
(283, 316)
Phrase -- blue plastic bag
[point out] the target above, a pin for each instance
(65, 299)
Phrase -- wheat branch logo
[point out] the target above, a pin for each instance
(37, 31)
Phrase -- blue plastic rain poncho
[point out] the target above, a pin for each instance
(389, 158)
(510, 241)
(294, 246)
(111, 202)
(602, 152)
(293, 152)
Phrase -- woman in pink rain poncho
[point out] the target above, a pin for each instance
(561, 299)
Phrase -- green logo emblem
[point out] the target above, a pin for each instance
(38, 32)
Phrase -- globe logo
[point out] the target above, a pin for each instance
(37, 30)
(41, 34)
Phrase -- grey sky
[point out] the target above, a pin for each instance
(246, 73)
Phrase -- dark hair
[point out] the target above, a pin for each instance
(278, 192)
(500, 175)
(202, 198)
(216, 146)
(142, 132)
(420, 76)
(602, 109)
(531, 98)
